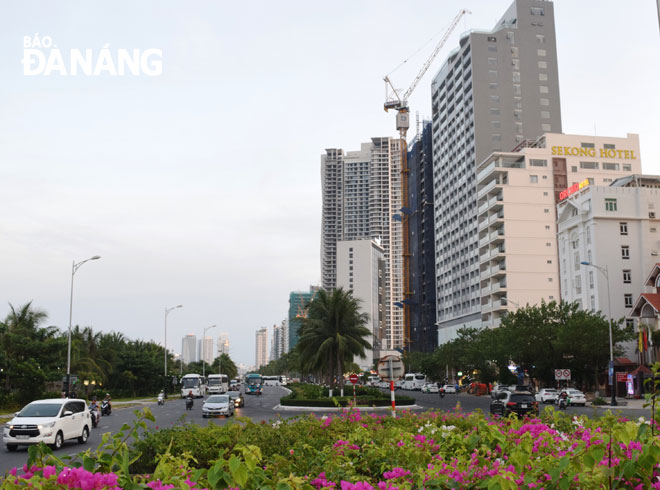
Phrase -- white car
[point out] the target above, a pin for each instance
(430, 388)
(384, 384)
(449, 389)
(49, 421)
(576, 397)
(216, 405)
(547, 395)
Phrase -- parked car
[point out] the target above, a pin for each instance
(216, 405)
(237, 398)
(398, 384)
(575, 397)
(498, 389)
(449, 389)
(430, 388)
(51, 421)
(384, 385)
(518, 402)
(547, 395)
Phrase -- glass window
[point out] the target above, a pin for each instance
(609, 146)
(587, 145)
(544, 101)
(589, 165)
(625, 252)
(591, 279)
(546, 127)
(540, 52)
(610, 204)
(492, 61)
(516, 77)
(543, 89)
(545, 114)
(627, 299)
(535, 162)
(627, 277)
(543, 77)
(623, 228)
(538, 11)
(610, 166)
(543, 65)
(533, 179)
(627, 167)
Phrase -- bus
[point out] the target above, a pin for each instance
(283, 380)
(414, 381)
(253, 382)
(271, 380)
(373, 380)
(217, 383)
(195, 383)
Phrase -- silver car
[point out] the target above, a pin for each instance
(217, 405)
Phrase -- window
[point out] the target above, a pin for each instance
(492, 73)
(545, 114)
(545, 194)
(609, 146)
(610, 166)
(492, 39)
(492, 61)
(610, 204)
(589, 165)
(538, 11)
(543, 89)
(492, 86)
(625, 252)
(540, 52)
(593, 302)
(514, 52)
(623, 228)
(547, 227)
(516, 77)
(543, 77)
(591, 279)
(546, 210)
(516, 63)
(548, 261)
(578, 285)
(546, 127)
(494, 111)
(627, 299)
(495, 98)
(535, 162)
(519, 127)
(533, 179)
(587, 145)
(543, 65)
(544, 102)
(492, 49)
(627, 277)
(495, 124)
(540, 38)
(573, 168)
(627, 167)
(516, 89)
(497, 137)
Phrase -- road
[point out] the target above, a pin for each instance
(260, 408)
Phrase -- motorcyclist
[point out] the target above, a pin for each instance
(563, 399)
(161, 397)
(189, 400)
(109, 401)
(95, 409)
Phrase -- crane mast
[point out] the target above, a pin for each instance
(400, 103)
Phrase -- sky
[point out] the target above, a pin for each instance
(201, 186)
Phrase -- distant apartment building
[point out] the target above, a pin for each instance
(276, 343)
(285, 336)
(223, 344)
(362, 195)
(206, 349)
(189, 348)
(261, 347)
(423, 329)
(616, 229)
(361, 270)
(495, 90)
(517, 194)
(298, 305)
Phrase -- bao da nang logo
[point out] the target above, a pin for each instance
(42, 57)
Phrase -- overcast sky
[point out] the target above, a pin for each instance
(201, 186)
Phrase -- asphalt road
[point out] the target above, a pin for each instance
(260, 408)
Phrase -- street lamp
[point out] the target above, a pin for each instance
(609, 323)
(74, 269)
(202, 354)
(167, 312)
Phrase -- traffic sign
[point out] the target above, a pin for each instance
(562, 374)
(390, 368)
(353, 378)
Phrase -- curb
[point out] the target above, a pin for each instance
(339, 409)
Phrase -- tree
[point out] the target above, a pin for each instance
(333, 333)
(224, 365)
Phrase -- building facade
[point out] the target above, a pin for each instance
(423, 328)
(517, 195)
(361, 270)
(276, 343)
(189, 348)
(298, 304)
(495, 90)
(223, 344)
(608, 241)
(361, 196)
(261, 347)
(206, 350)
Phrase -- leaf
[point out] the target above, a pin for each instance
(283, 486)
(88, 463)
(234, 464)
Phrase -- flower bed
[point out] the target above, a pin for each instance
(317, 396)
(357, 451)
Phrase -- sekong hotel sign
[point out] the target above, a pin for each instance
(574, 151)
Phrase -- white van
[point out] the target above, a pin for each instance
(373, 380)
(414, 381)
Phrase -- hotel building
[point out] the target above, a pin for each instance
(497, 89)
(517, 196)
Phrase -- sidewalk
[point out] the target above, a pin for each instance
(623, 404)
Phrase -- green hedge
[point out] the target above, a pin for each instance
(287, 401)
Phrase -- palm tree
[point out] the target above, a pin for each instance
(333, 333)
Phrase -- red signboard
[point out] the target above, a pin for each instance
(621, 377)
(353, 378)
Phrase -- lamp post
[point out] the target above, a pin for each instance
(609, 323)
(202, 354)
(74, 269)
(167, 312)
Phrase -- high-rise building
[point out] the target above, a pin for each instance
(615, 229)
(423, 330)
(189, 348)
(285, 335)
(361, 270)
(274, 342)
(261, 347)
(361, 198)
(206, 350)
(495, 90)
(298, 304)
(517, 193)
(223, 344)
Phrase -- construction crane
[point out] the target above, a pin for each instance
(303, 308)
(400, 103)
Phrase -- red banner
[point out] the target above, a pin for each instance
(621, 377)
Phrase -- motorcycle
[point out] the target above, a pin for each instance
(106, 408)
(94, 414)
(189, 403)
(562, 403)
(161, 399)
(441, 392)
